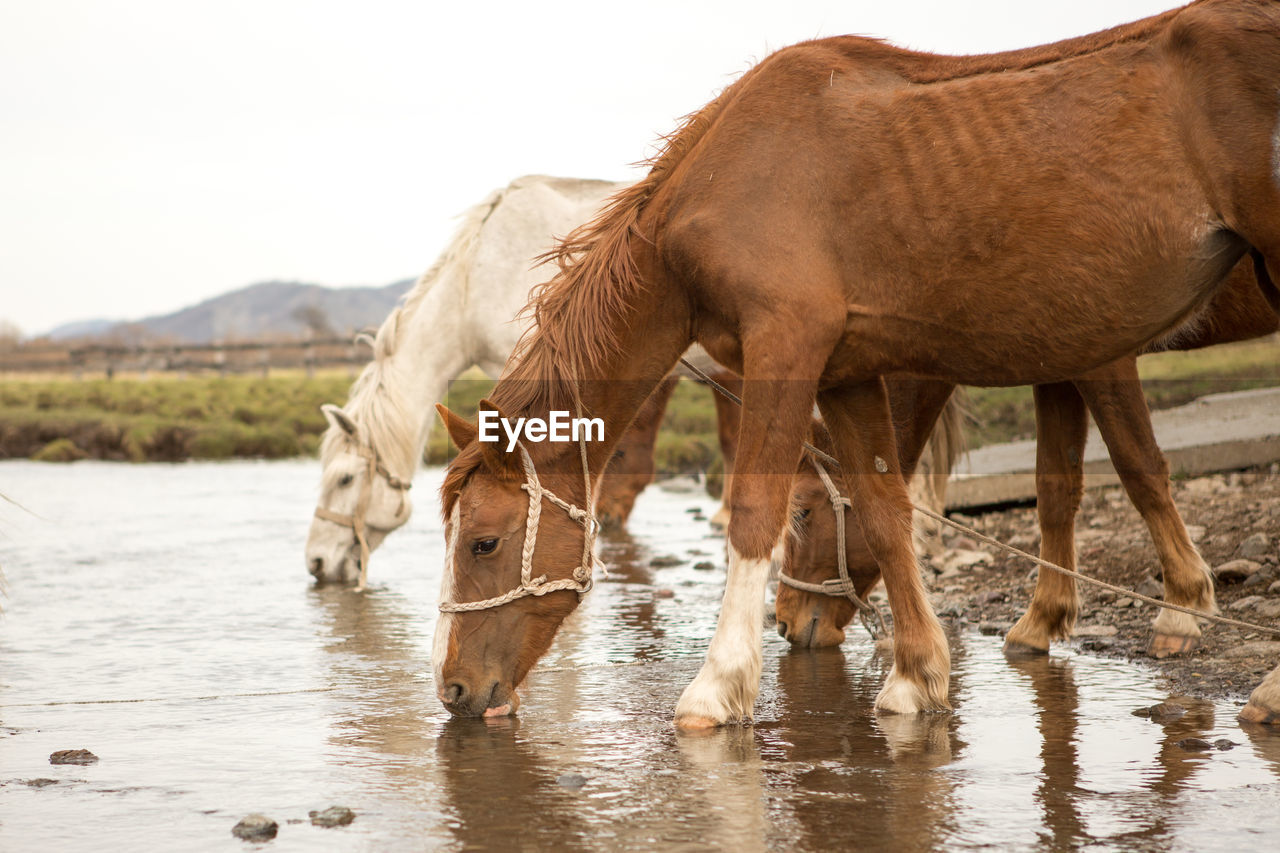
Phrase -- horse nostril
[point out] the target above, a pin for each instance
(782, 629)
(316, 567)
(453, 693)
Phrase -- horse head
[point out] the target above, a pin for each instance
(361, 501)
(812, 606)
(517, 562)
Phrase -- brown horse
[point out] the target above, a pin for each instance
(844, 211)
(1114, 395)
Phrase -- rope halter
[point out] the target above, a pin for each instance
(357, 521)
(580, 580)
(842, 586)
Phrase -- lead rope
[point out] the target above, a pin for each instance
(1200, 614)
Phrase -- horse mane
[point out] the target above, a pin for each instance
(377, 401)
(596, 280)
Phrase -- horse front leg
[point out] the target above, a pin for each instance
(1264, 702)
(858, 418)
(1114, 395)
(776, 417)
(1061, 430)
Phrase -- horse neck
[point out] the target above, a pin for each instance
(651, 337)
(435, 342)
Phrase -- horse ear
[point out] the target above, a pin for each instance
(503, 463)
(461, 431)
(340, 419)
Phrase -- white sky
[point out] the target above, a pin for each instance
(154, 153)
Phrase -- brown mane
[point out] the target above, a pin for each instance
(597, 280)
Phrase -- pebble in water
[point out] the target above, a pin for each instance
(573, 781)
(256, 827)
(73, 756)
(1195, 744)
(1165, 712)
(333, 816)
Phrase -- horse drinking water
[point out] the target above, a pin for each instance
(845, 211)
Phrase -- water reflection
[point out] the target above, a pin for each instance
(501, 794)
(849, 758)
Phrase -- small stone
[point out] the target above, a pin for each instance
(73, 756)
(1274, 589)
(1255, 546)
(1096, 630)
(990, 629)
(704, 565)
(332, 816)
(1150, 587)
(664, 593)
(1269, 649)
(1236, 571)
(1124, 602)
(1195, 744)
(256, 827)
(665, 561)
(1246, 602)
(1268, 609)
(995, 596)
(572, 781)
(1165, 712)
(1223, 744)
(1195, 532)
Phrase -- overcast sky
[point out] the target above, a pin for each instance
(154, 153)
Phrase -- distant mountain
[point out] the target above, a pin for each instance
(80, 329)
(265, 310)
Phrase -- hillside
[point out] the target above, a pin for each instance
(264, 310)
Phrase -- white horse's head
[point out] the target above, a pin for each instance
(361, 501)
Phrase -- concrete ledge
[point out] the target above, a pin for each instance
(1220, 432)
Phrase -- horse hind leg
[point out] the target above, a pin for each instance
(1115, 397)
(775, 419)
(858, 419)
(1061, 430)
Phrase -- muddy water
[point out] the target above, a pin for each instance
(183, 587)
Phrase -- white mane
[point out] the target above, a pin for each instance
(379, 402)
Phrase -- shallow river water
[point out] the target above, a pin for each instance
(161, 617)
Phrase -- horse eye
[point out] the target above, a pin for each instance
(802, 515)
(484, 546)
(346, 480)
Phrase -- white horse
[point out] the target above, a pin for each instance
(459, 314)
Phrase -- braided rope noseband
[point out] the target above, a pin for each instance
(356, 521)
(580, 581)
(842, 586)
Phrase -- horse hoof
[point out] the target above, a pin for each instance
(1018, 649)
(693, 724)
(1255, 713)
(1168, 645)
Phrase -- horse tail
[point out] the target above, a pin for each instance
(929, 486)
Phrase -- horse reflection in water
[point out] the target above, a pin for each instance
(834, 747)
